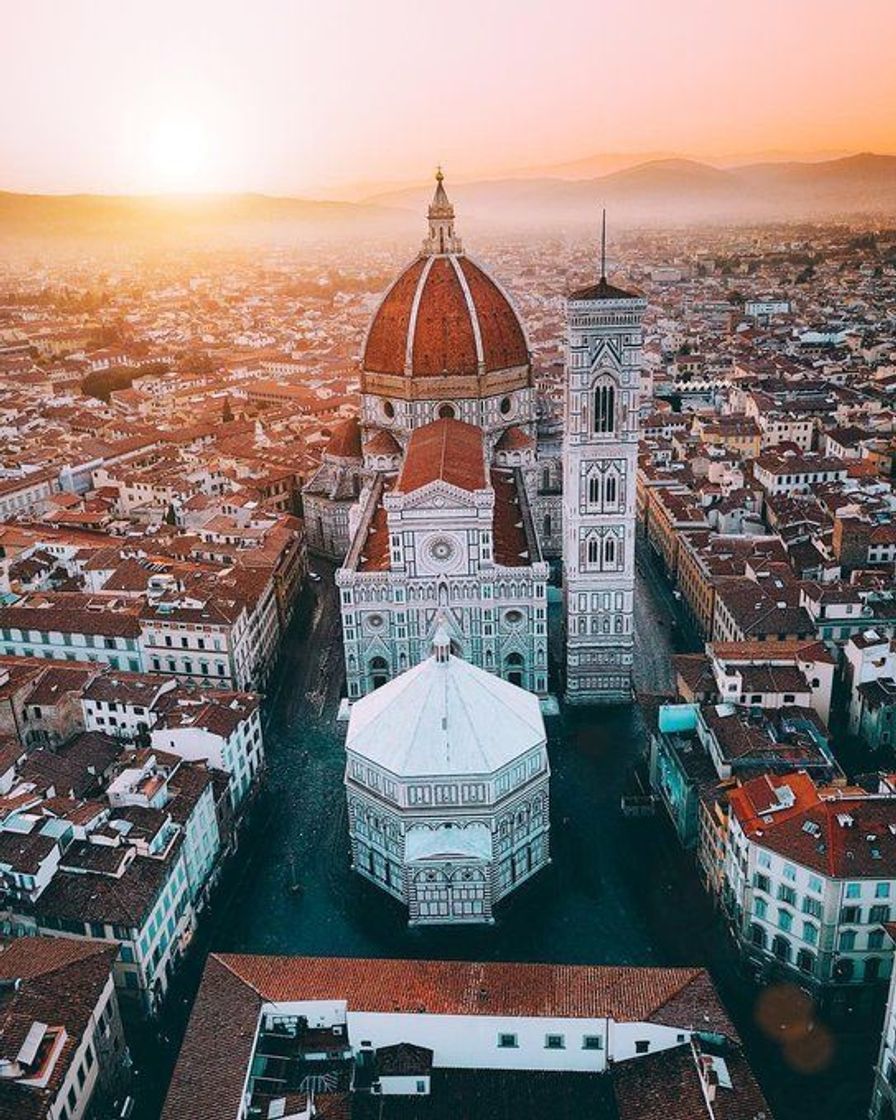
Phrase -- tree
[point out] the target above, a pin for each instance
(227, 412)
(170, 515)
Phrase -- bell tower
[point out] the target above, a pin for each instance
(600, 456)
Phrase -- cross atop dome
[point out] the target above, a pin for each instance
(442, 238)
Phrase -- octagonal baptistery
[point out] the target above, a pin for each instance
(447, 781)
(446, 342)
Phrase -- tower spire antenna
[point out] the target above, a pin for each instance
(603, 246)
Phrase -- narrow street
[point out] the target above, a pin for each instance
(619, 891)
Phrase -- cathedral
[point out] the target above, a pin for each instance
(449, 495)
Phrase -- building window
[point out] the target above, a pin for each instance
(642, 1045)
(787, 894)
(812, 906)
(805, 961)
(554, 1042)
(610, 490)
(592, 1042)
(605, 408)
(507, 1042)
(781, 948)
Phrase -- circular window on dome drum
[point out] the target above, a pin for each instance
(506, 406)
(388, 410)
(446, 412)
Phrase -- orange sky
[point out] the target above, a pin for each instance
(294, 97)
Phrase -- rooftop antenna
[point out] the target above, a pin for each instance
(603, 246)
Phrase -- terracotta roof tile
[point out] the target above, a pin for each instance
(488, 988)
(449, 450)
(387, 338)
(345, 439)
(444, 341)
(509, 535)
(503, 341)
(514, 439)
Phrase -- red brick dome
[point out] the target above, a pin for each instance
(444, 315)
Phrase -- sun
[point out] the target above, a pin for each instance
(178, 155)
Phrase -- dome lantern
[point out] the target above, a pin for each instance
(442, 238)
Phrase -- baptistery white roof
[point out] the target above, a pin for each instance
(445, 718)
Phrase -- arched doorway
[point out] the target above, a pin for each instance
(379, 672)
(513, 665)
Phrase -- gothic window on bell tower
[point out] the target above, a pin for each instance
(610, 490)
(593, 552)
(594, 488)
(610, 552)
(604, 414)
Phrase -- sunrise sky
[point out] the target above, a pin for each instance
(301, 98)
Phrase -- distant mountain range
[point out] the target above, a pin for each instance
(660, 191)
(679, 190)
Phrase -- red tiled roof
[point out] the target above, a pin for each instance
(449, 450)
(345, 440)
(514, 439)
(481, 988)
(375, 550)
(796, 648)
(382, 443)
(510, 544)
